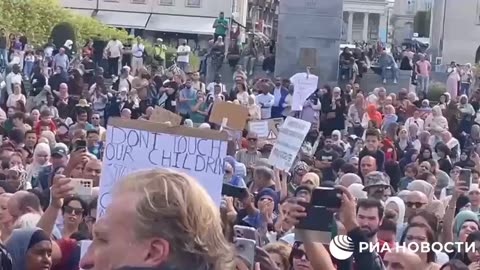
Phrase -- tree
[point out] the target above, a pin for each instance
(36, 19)
(421, 23)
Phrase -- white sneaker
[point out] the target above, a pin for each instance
(384, 81)
(395, 81)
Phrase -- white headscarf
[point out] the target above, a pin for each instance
(400, 205)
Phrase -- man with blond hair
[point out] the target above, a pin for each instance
(157, 219)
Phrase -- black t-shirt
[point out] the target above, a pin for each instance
(329, 156)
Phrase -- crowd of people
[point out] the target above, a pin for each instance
(395, 159)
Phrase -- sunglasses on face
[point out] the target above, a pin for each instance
(414, 204)
(299, 254)
(73, 210)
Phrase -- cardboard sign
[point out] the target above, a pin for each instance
(290, 140)
(234, 115)
(266, 129)
(160, 115)
(136, 145)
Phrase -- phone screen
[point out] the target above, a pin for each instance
(327, 197)
(465, 176)
(80, 144)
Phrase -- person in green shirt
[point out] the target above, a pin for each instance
(200, 109)
(221, 27)
(159, 54)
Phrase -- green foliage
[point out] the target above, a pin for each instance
(36, 19)
(436, 90)
(421, 23)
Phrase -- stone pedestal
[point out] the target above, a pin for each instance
(309, 33)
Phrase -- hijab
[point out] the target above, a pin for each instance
(400, 205)
(360, 104)
(36, 167)
(424, 187)
(357, 191)
(462, 217)
(20, 241)
(374, 115)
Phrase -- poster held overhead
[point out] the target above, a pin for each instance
(236, 115)
(136, 145)
(160, 115)
(289, 141)
(304, 84)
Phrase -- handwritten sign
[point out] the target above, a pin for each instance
(290, 140)
(266, 129)
(135, 145)
(303, 86)
(229, 115)
(160, 115)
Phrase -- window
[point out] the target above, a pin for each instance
(193, 3)
(166, 3)
(477, 19)
(139, 1)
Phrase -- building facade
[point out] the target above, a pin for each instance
(172, 16)
(263, 17)
(404, 12)
(454, 37)
(365, 20)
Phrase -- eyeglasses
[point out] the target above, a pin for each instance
(416, 204)
(73, 210)
(299, 254)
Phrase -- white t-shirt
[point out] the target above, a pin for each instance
(183, 58)
(137, 50)
(115, 48)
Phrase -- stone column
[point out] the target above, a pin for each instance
(350, 27)
(365, 26)
(382, 28)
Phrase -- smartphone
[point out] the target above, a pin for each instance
(328, 197)
(246, 250)
(80, 144)
(82, 187)
(246, 232)
(465, 175)
(234, 191)
(317, 226)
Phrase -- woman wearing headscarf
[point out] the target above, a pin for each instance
(337, 141)
(424, 187)
(372, 115)
(30, 249)
(409, 157)
(389, 117)
(465, 223)
(444, 101)
(356, 189)
(355, 115)
(436, 123)
(333, 109)
(467, 114)
(453, 144)
(473, 138)
(398, 206)
(402, 144)
(41, 159)
(453, 81)
(402, 105)
(465, 160)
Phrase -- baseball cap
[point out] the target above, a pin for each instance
(376, 179)
(59, 151)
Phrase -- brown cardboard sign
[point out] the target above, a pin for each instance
(160, 115)
(232, 115)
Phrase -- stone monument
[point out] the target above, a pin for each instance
(309, 33)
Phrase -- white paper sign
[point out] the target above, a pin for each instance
(261, 128)
(290, 139)
(303, 86)
(128, 150)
